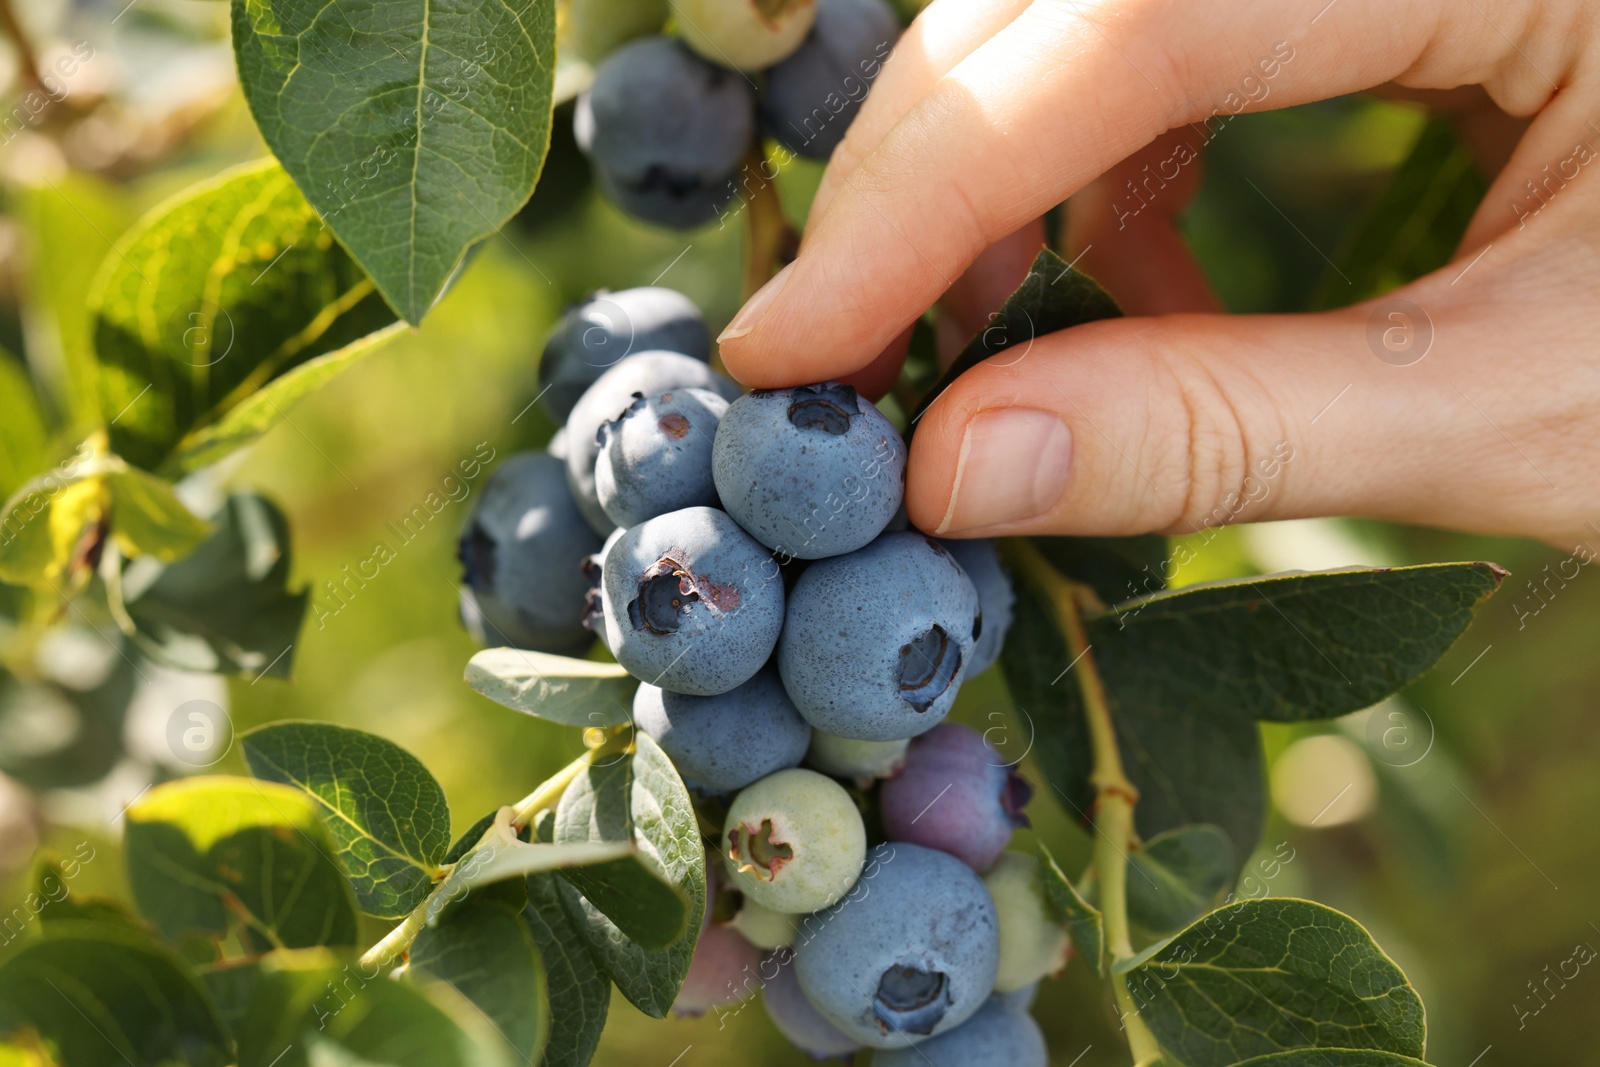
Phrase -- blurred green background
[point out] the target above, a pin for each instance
(1462, 841)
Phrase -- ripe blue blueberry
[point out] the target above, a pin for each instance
(795, 1016)
(794, 841)
(666, 132)
(720, 744)
(594, 598)
(692, 603)
(522, 553)
(998, 1035)
(813, 95)
(647, 374)
(747, 35)
(910, 953)
(981, 560)
(656, 456)
(955, 794)
(812, 471)
(722, 971)
(875, 643)
(593, 336)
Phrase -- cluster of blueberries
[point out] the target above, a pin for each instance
(669, 121)
(747, 558)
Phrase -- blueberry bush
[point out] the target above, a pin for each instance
(719, 590)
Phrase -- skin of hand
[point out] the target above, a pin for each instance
(991, 111)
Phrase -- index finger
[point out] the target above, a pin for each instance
(1047, 104)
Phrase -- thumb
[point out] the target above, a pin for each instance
(1181, 422)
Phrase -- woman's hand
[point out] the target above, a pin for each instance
(992, 111)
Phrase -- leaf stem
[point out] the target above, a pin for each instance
(1115, 795)
(770, 240)
(395, 943)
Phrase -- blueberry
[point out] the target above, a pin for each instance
(594, 598)
(998, 1035)
(666, 132)
(794, 841)
(813, 95)
(656, 457)
(720, 744)
(1033, 942)
(956, 794)
(722, 971)
(860, 761)
(981, 560)
(647, 374)
(910, 953)
(763, 927)
(692, 603)
(747, 35)
(522, 553)
(795, 1016)
(903, 611)
(593, 336)
(812, 471)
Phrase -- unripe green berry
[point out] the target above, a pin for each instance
(1033, 943)
(794, 841)
(763, 927)
(860, 761)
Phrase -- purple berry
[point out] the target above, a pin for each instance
(955, 794)
(722, 972)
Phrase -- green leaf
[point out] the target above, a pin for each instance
(1414, 225)
(488, 953)
(386, 814)
(1116, 568)
(1053, 296)
(210, 297)
(580, 993)
(1290, 647)
(1082, 918)
(227, 606)
(417, 130)
(45, 524)
(52, 885)
(69, 224)
(498, 855)
(24, 437)
(104, 995)
(1270, 975)
(309, 1010)
(640, 928)
(262, 410)
(219, 854)
(1178, 876)
(1331, 1057)
(574, 692)
(148, 519)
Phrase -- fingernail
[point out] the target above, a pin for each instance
(1013, 465)
(755, 307)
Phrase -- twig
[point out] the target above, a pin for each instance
(28, 59)
(1115, 795)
